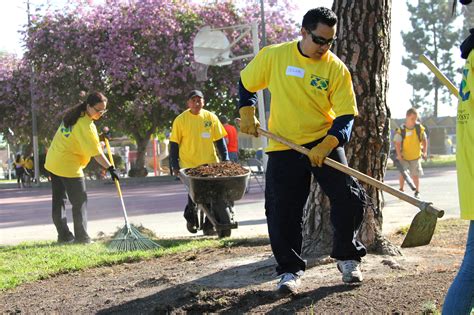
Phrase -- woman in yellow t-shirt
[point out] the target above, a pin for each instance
(73, 145)
(460, 296)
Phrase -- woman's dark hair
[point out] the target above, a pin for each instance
(18, 158)
(319, 15)
(72, 115)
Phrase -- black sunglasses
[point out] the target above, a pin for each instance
(321, 40)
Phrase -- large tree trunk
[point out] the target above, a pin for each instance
(363, 32)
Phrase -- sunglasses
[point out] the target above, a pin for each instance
(100, 112)
(321, 40)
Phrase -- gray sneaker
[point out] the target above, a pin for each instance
(350, 270)
(288, 283)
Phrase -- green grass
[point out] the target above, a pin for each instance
(33, 261)
(434, 161)
(440, 161)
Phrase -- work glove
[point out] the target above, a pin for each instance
(248, 121)
(323, 149)
(113, 173)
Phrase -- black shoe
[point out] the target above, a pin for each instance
(66, 241)
(417, 194)
(208, 228)
(191, 227)
(83, 241)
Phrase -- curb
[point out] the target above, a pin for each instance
(105, 182)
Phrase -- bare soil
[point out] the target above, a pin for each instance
(222, 169)
(241, 279)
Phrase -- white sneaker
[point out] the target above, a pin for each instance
(350, 270)
(288, 283)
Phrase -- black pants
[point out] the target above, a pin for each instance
(288, 180)
(75, 190)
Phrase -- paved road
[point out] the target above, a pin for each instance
(25, 214)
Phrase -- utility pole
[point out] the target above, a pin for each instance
(33, 111)
(266, 93)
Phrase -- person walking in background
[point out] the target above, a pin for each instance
(313, 104)
(29, 170)
(73, 145)
(460, 297)
(20, 170)
(195, 134)
(232, 139)
(411, 145)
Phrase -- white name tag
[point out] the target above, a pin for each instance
(409, 133)
(205, 135)
(295, 72)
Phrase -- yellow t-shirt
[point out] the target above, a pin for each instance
(72, 148)
(195, 135)
(29, 163)
(307, 95)
(465, 141)
(412, 145)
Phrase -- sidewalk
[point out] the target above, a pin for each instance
(25, 214)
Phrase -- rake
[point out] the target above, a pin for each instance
(128, 238)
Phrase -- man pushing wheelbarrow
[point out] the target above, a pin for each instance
(195, 135)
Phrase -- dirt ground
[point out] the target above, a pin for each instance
(241, 279)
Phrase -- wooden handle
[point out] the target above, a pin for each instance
(360, 176)
(440, 75)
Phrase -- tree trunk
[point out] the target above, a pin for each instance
(139, 169)
(363, 32)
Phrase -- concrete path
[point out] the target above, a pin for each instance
(25, 215)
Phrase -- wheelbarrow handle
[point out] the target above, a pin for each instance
(360, 176)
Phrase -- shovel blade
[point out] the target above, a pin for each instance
(421, 229)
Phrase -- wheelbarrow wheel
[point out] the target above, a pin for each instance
(224, 216)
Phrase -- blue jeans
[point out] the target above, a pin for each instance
(460, 297)
(234, 156)
(287, 186)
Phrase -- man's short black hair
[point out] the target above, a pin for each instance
(319, 15)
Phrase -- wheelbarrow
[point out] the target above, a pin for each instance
(214, 197)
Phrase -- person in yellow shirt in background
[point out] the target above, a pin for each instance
(73, 145)
(411, 145)
(312, 104)
(460, 296)
(195, 134)
(29, 170)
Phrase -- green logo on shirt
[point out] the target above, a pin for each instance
(319, 83)
(65, 131)
(207, 124)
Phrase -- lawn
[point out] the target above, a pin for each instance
(39, 260)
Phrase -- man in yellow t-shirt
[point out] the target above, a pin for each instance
(195, 134)
(411, 145)
(312, 104)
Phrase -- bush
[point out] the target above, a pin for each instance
(94, 170)
(246, 153)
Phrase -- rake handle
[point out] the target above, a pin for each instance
(441, 77)
(117, 184)
(360, 176)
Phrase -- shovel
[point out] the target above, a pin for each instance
(423, 225)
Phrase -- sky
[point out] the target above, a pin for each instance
(13, 17)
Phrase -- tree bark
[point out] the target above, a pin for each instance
(363, 44)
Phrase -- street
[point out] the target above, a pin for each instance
(25, 215)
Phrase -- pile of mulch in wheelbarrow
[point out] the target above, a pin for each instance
(223, 169)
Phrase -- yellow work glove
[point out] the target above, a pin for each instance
(248, 121)
(323, 149)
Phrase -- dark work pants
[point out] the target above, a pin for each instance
(288, 180)
(75, 190)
